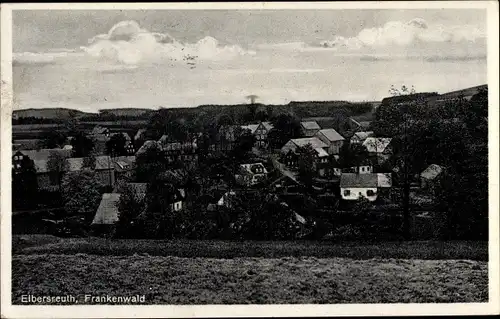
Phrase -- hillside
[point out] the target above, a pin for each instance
(49, 113)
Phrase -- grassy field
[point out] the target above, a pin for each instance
(223, 272)
(174, 280)
(42, 244)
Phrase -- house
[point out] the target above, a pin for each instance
(129, 146)
(150, 144)
(124, 167)
(361, 169)
(331, 138)
(185, 151)
(226, 199)
(309, 128)
(384, 180)
(46, 180)
(378, 147)
(107, 212)
(226, 137)
(140, 134)
(321, 162)
(105, 170)
(251, 128)
(360, 137)
(251, 174)
(289, 150)
(261, 134)
(354, 186)
(429, 178)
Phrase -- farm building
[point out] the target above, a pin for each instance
(429, 177)
(332, 138)
(355, 186)
(309, 128)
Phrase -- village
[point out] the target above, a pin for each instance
(315, 169)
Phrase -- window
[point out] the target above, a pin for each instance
(347, 192)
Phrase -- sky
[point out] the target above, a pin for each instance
(92, 60)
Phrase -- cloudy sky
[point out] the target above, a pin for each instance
(93, 60)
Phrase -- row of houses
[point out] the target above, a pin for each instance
(108, 169)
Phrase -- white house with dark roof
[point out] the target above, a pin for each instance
(354, 186)
(309, 128)
(332, 138)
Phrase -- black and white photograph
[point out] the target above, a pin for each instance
(256, 155)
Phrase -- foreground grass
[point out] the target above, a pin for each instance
(174, 280)
(29, 244)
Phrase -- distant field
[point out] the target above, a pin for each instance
(42, 244)
(173, 280)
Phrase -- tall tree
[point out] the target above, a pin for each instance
(130, 205)
(115, 146)
(81, 193)
(57, 165)
(285, 128)
(53, 139)
(82, 145)
(24, 185)
(307, 159)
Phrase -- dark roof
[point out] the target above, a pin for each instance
(310, 125)
(107, 213)
(43, 154)
(331, 135)
(354, 180)
(103, 162)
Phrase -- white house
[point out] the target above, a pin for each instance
(332, 138)
(354, 186)
(362, 169)
(251, 174)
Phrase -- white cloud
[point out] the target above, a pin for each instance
(405, 34)
(128, 43)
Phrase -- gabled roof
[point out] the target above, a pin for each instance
(377, 144)
(331, 135)
(354, 180)
(314, 141)
(251, 127)
(147, 145)
(75, 163)
(321, 152)
(107, 213)
(251, 168)
(124, 162)
(139, 133)
(103, 162)
(384, 179)
(267, 125)
(310, 125)
(44, 154)
(363, 135)
(432, 171)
